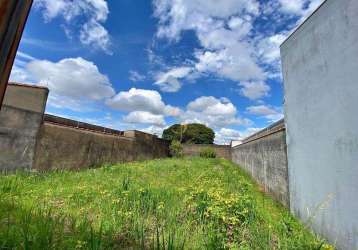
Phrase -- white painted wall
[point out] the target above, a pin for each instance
(320, 68)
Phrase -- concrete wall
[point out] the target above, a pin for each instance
(20, 119)
(320, 67)
(31, 140)
(223, 151)
(62, 147)
(265, 159)
(148, 146)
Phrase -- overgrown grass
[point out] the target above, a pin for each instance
(162, 204)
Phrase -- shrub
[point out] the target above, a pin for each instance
(176, 149)
(208, 153)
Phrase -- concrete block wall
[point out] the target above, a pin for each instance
(20, 121)
(320, 71)
(61, 147)
(148, 146)
(223, 151)
(65, 147)
(264, 158)
(31, 140)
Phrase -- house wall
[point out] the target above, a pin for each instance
(320, 70)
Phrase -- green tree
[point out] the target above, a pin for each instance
(190, 133)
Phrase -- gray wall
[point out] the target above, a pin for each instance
(320, 67)
(28, 141)
(265, 159)
(63, 147)
(223, 151)
(20, 119)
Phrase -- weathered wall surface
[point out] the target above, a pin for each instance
(61, 147)
(31, 140)
(266, 160)
(20, 120)
(148, 146)
(222, 151)
(320, 67)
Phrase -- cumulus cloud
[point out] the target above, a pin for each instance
(270, 113)
(142, 100)
(154, 130)
(177, 15)
(222, 30)
(88, 14)
(213, 112)
(143, 117)
(292, 6)
(299, 7)
(234, 62)
(170, 81)
(135, 76)
(269, 47)
(231, 45)
(74, 83)
(72, 77)
(225, 135)
(254, 90)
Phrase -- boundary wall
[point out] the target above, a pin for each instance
(263, 155)
(30, 139)
(223, 151)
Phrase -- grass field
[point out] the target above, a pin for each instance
(161, 204)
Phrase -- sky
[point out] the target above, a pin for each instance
(148, 64)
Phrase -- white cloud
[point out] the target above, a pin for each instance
(94, 34)
(270, 113)
(225, 135)
(88, 14)
(213, 112)
(178, 15)
(143, 117)
(254, 90)
(71, 77)
(18, 72)
(135, 76)
(269, 48)
(142, 100)
(250, 131)
(292, 6)
(25, 56)
(223, 31)
(169, 81)
(234, 62)
(209, 105)
(261, 110)
(74, 83)
(20, 75)
(154, 130)
(231, 46)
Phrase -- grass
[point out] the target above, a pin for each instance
(161, 204)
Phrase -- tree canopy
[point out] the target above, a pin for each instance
(190, 133)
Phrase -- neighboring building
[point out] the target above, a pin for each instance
(320, 72)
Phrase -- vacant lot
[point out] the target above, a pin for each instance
(161, 204)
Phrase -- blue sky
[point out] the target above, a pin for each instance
(146, 64)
